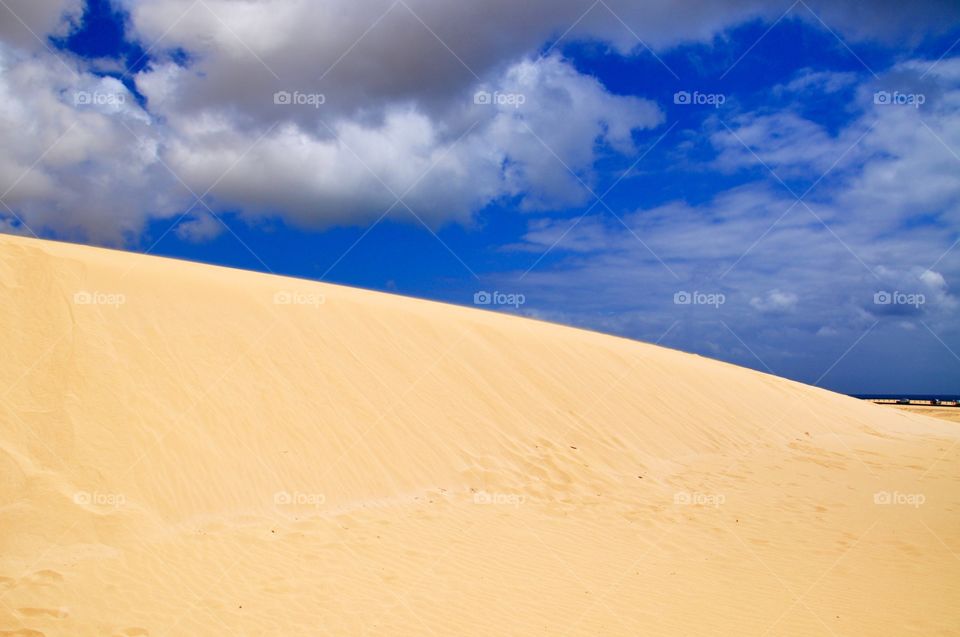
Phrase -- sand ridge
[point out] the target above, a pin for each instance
(196, 450)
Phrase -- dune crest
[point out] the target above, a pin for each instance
(192, 450)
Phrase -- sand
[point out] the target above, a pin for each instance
(191, 450)
(951, 414)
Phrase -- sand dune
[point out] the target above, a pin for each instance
(943, 413)
(190, 450)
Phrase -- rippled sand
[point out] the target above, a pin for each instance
(190, 450)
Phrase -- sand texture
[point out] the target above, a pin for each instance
(951, 414)
(191, 450)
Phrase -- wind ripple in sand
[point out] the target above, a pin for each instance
(188, 450)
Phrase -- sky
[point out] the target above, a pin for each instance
(773, 184)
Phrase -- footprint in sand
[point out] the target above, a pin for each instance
(45, 576)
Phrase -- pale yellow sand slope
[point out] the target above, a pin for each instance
(943, 413)
(190, 457)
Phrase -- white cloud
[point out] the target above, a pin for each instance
(821, 81)
(110, 166)
(933, 279)
(784, 142)
(397, 81)
(26, 23)
(876, 224)
(775, 301)
(199, 227)
(902, 159)
(351, 171)
(81, 158)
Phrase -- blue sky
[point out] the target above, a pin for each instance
(802, 219)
